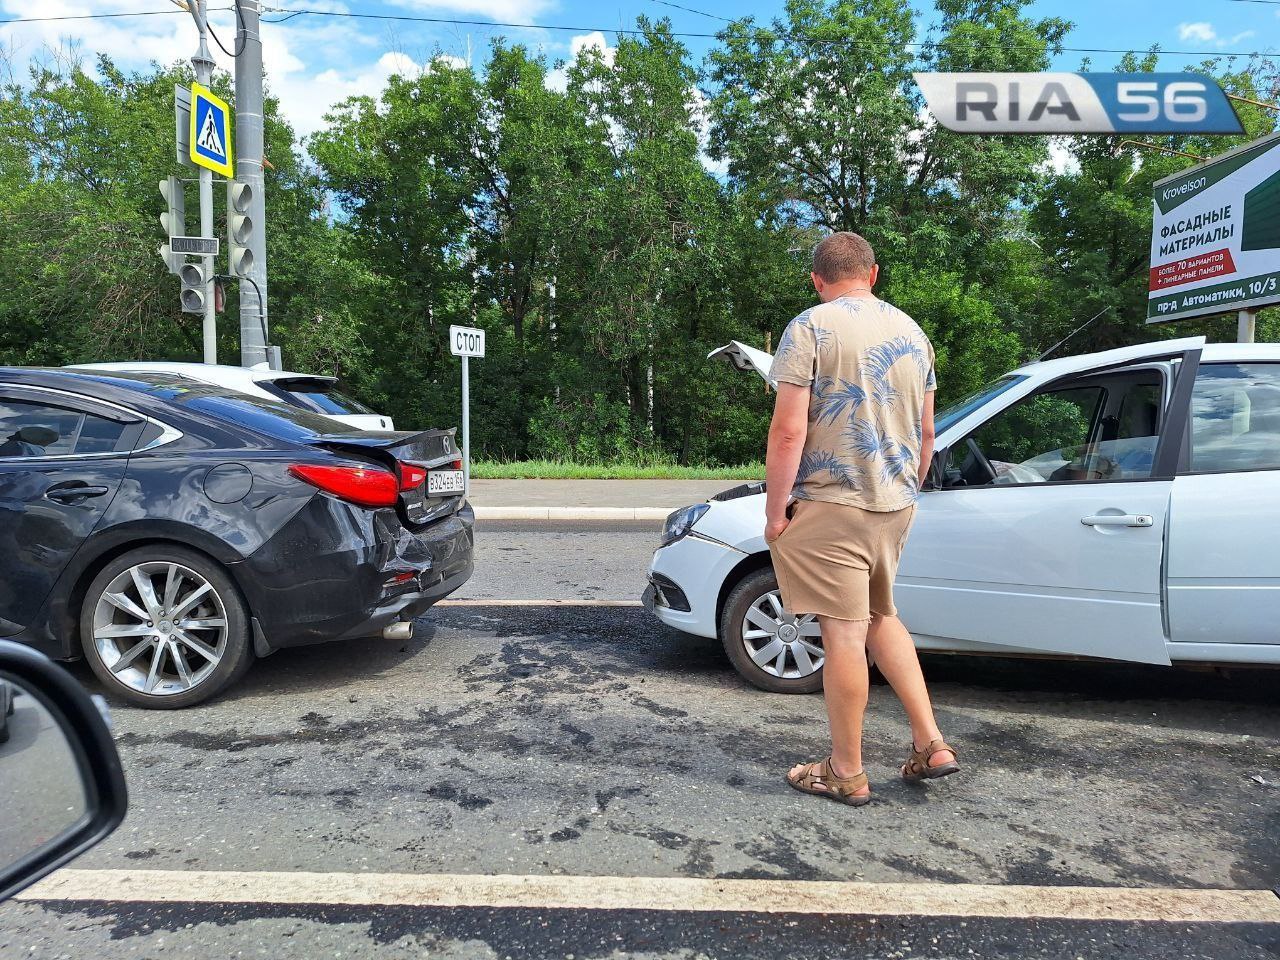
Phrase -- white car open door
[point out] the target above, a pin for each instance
(1049, 531)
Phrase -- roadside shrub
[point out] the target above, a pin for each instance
(591, 430)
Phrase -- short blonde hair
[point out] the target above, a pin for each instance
(843, 256)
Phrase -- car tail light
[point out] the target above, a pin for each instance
(364, 486)
(411, 477)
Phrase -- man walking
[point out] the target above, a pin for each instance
(850, 442)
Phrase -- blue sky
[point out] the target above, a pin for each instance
(314, 61)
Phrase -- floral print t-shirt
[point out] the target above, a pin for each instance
(868, 366)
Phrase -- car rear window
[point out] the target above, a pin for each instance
(318, 397)
(273, 418)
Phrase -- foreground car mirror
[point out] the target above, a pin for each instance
(62, 789)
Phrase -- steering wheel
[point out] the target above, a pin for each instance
(981, 459)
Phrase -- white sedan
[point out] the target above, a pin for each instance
(317, 393)
(1121, 505)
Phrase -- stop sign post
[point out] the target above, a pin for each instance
(466, 342)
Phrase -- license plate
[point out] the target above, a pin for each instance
(444, 481)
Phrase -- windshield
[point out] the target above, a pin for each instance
(961, 409)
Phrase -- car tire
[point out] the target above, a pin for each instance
(753, 590)
(215, 654)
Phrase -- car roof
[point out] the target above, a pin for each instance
(1211, 352)
(221, 373)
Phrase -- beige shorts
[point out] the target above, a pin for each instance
(839, 561)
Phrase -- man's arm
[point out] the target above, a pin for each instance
(926, 440)
(782, 461)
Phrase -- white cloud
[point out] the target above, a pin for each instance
(1200, 31)
(558, 79)
(311, 63)
(1060, 159)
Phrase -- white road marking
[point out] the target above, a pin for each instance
(538, 603)
(654, 514)
(660, 893)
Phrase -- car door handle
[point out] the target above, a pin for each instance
(69, 494)
(1119, 520)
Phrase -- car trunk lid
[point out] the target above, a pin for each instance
(428, 449)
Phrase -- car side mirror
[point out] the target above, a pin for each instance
(62, 789)
(38, 436)
(941, 474)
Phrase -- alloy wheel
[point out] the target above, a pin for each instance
(160, 628)
(780, 644)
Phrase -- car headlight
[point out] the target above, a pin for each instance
(682, 521)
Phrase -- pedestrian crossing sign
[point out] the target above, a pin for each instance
(210, 131)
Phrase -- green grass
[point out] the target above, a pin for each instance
(559, 470)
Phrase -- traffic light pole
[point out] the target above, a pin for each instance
(203, 62)
(249, 154)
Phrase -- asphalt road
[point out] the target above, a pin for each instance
(584, 560)
(593, 741)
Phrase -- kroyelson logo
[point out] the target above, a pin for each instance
(1079, 103)
(1169, 193)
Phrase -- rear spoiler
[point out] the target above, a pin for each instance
(428, 448)
(745, 358)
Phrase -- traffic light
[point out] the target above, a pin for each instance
(240, 228)
(174, 221)
(193, 282)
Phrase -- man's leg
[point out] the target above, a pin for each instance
(844, 684)
(895, 654)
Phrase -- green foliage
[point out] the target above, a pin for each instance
(607, 222)
(589, 430)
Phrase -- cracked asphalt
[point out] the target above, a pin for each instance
(594, 741)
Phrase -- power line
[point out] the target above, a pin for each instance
(239, 32)
(714, 36)
(92, 16)
(635, 31)
(701, 13)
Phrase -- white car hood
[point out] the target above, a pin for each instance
(745, 358)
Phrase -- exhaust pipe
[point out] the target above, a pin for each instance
(400, 630)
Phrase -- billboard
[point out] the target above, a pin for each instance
(1215, 236)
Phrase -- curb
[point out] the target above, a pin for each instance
(572, 513)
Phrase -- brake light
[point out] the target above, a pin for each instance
(363, 486)
(411, 477)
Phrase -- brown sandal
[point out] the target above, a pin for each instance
(820, 780)
(918, 767)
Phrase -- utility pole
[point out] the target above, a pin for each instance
(1246, 326)
(203, 62)
(249, 156)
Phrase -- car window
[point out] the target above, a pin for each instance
(42, 430)
(1104, 429)
(274, 418)
(1235, 417)
(1039, 435)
